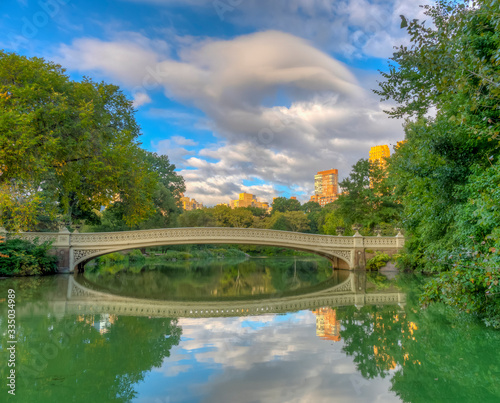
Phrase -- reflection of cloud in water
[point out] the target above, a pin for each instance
(279, 359)
(175, 370)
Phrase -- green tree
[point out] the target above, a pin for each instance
(167, 192)
(353, 204)
(277, 221)
(332, 221)
(310, 206)
(222, 215)
(282, 205)
(297, 221)
(367, 198)
(24, 258)
(257, 211)
(196, 218)
(446, 173)
(241, 217)
(64, 144)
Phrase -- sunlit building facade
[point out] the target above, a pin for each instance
(326, 187)
(248, 200)
(379, 153)
(190, 204)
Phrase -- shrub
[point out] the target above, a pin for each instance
(114, 257)
(19, 257)
(136, 256)
(378, 261)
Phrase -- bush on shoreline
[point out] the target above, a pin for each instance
(23, 258)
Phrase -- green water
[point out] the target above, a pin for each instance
(73, 347)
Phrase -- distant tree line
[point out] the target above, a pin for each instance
(367, 202)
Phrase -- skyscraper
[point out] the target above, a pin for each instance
(326, 186)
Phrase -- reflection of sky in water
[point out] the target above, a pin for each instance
(272, 358)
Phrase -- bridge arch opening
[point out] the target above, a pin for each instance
(338, 262)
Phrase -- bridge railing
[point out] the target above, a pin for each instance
(206, 235)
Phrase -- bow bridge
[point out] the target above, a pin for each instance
(347, 252)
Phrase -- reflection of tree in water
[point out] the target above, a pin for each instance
(372, 336)
(213, 278)
(70, 360)
(432, 355)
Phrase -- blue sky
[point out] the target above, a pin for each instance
(242, 95)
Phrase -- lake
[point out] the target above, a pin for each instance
(248, 330)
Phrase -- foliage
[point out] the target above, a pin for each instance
(367, 198)
(310, 206)
(282, 205)
(23, 258)
(136, 256)
(66, 147)
(378, 261)
(166, 188)
(290, 221)
(257, 211)
(110, 258)
(446, 174)
(334, 220)
(196, 218)
(240, 217)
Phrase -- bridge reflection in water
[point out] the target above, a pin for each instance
(82, 300)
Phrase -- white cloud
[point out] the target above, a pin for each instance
(141, 98)
(341, 26)
(281, 109)
(173, 148)
(182, 141)
(122, 60)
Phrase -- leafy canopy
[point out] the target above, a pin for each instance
(66, 145)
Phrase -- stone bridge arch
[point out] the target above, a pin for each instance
(75, 249)
(341, 258)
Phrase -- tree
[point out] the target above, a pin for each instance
(169, 186)
(222, 215)
(332, 221)
(241, 217)
(277, 221)
(257, 211)
(66, 145)
(290, 221)
(282, 205)
(367, 199)
(297, 221)
(353, 204)
(446, 173)
(196, 218)
(310, 206)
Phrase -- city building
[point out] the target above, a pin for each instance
(327, 325)
(248, 200)
(326, 187)
(190, 204)
(379, 153)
